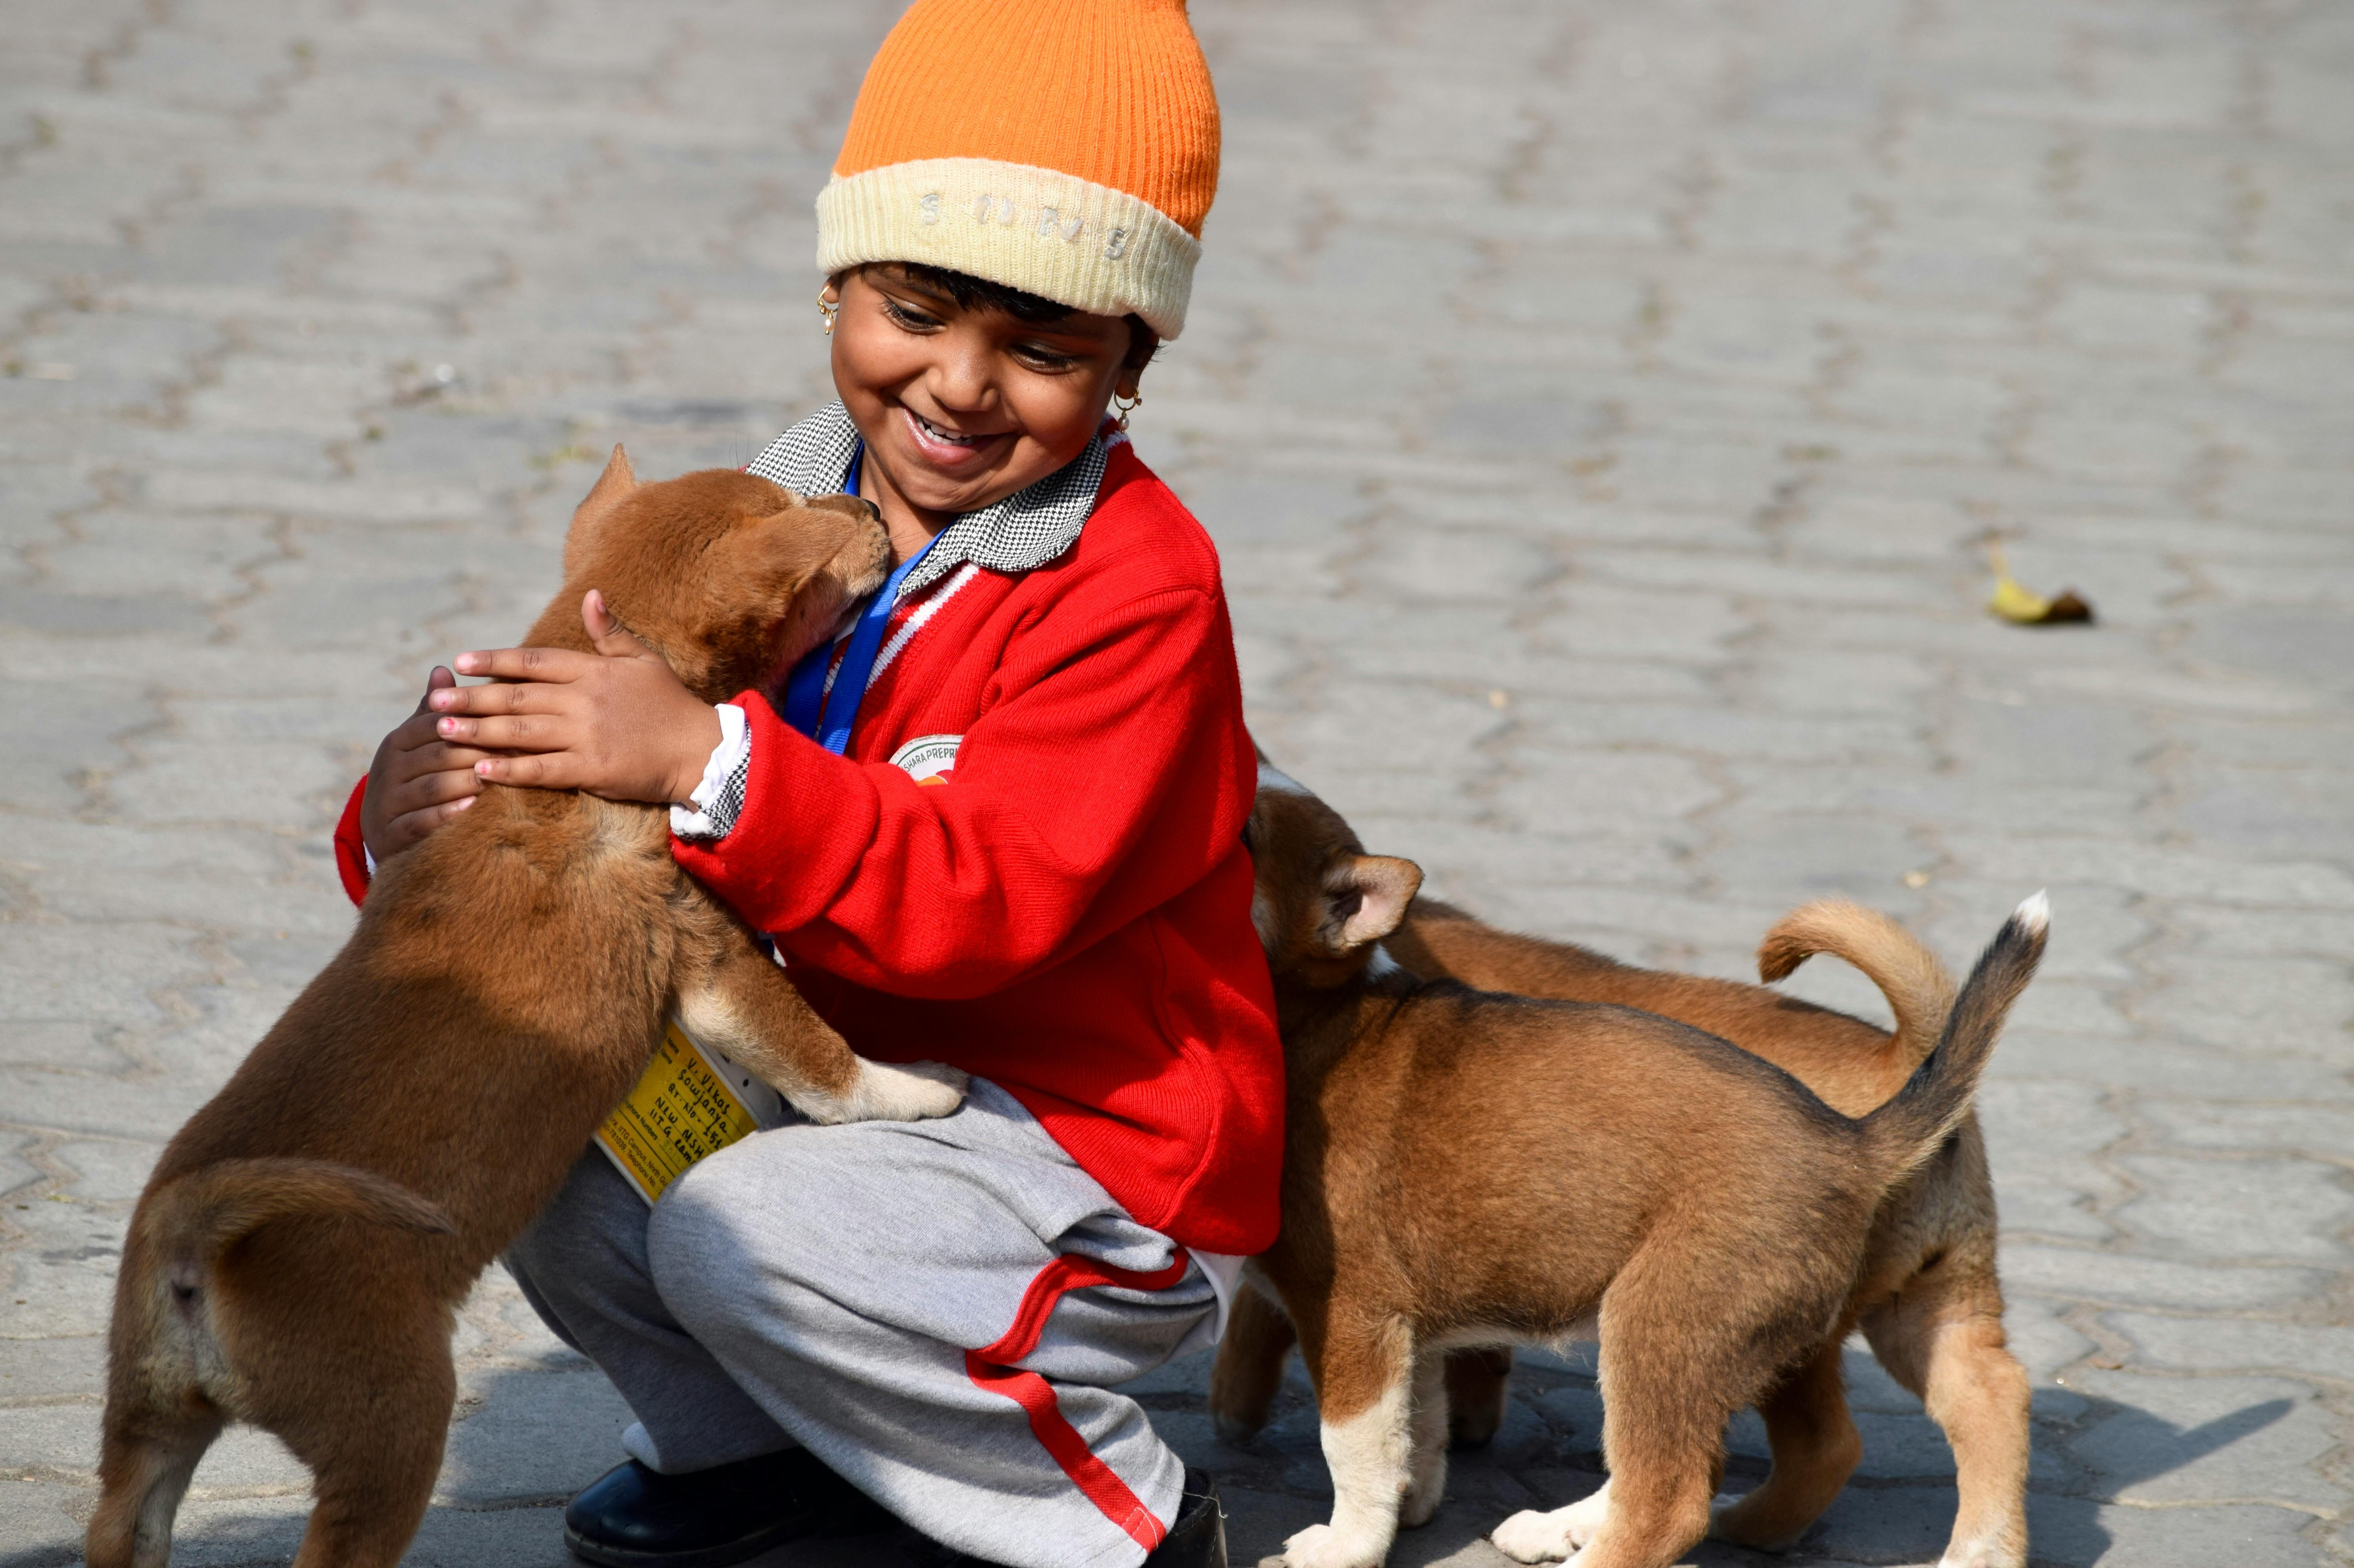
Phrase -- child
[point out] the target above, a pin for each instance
(1024, 858)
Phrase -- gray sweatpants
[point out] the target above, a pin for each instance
(934, 1309)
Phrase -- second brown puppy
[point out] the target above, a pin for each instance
(299, 1252)
(1927, 1297)
(1463, 1168)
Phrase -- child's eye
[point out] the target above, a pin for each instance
(1039, 356)
(912, 318)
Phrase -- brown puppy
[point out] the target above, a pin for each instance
(1927, 1296)
(299, 1253)
(1463, 1168)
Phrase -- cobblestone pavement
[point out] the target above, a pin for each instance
(1603, 409)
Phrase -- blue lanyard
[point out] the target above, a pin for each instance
(805, 692)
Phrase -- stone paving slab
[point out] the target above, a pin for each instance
(1603, 410)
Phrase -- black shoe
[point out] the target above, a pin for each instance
(631, 1516)
(1197, 1539)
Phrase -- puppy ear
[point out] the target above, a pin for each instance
(807, 562)
(785, 551)
(1366, 896)
(612, 487)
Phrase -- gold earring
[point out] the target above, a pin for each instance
(826, 308)
(1125, 406)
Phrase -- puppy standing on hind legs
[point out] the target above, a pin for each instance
(1699, 1205)
(298, 1256)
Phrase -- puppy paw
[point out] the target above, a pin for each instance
(885, 1091)
(1235, 1431)
(1995, 1552)
(1750, 1519)
(1321, 1546)
(1582, 1521)
(1424, 1493)
(1532, 1537)
(916, 1091)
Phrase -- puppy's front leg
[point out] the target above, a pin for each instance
(1363, 1386)
(741, 1002)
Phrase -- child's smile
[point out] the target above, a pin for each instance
(949, 448)
(961, 407)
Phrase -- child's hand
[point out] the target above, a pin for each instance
(418, 781)
(614, 723)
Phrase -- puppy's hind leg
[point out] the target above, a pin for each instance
(743, 1004)
(1816, 1448)
(1425, 1486)
(1943, 1340)
(1249, 1368)
(373, 1456)
(1479, 1392)
(143, 1468)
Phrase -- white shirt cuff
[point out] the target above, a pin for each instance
(1225, 1272)
(716, 803)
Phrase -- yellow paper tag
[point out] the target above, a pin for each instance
(690, 1102)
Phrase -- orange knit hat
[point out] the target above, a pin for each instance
(1066, 147)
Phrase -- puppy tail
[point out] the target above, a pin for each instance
(1920, 992)
(194, 1219)
(1908, 1128)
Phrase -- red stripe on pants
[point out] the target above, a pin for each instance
(992, 1367)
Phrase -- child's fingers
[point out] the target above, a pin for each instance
(530, 732)
(416, 730)
(435, 681)
(611, 639)
(406, 830)
(507, 697)
(558, 771)
(432, 755)
(558, 665)
(434, 788)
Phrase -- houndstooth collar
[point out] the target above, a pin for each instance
(1025, 530)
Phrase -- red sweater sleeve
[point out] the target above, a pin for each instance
(1112, 773)
(351, 849)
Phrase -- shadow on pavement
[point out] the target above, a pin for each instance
(541, 1435)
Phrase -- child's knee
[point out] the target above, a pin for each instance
(724, 1217)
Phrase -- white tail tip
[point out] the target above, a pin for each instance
(2035, 913)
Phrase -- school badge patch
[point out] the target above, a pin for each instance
(928, 759)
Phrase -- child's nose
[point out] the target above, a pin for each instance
(964, 379)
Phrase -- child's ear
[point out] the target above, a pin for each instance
(612, 487)
(1366, 897)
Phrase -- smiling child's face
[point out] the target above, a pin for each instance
(962, 407)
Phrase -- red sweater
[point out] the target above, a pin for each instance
(1067, 911)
